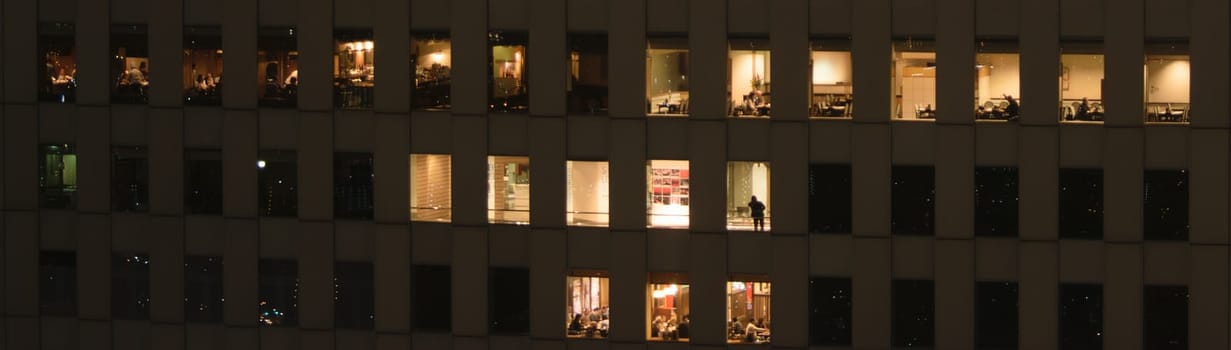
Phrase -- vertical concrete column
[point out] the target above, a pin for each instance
(21, 62)
(1123, 167)
(392, 271)
(391, 28)
(707, 165)
(1208, 174)
(315, 153)
(1207, 304)
(93, 157)
(470, 282)
(707, 290)
(548, 262)
(1209, 63)
(790, 287)
(20, 157)
(470, 170)
(547, 163)
(870, 177)
(21, 261)
(1122, 293)
(391, 154)
(315, 250)
(315, 55)
(626, 50)
(166, 157)
(547, 57)
(1038, 295)
(871, 281)
(93, 268)
(167, 270)
(239, 43)
(955, 181)
(955, 294)
(788, 175)
(469, 39)
(788, 34)
(955, 61)
(871, 59)
(707, 42)
(166, 40)
(239, 155)
(1039, 182)
(93, 40)
(1040, 47)
(629, 291)
(241, 253)
(1125, 54)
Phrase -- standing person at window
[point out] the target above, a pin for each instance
(758, 214)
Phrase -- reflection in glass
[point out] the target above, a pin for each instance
(914, 313)
(829, 311)
(278, 292)
(353, 178)
(914, 79)
(57, 176)
(588, 305)
(509, 298)
(588, 195)
(1081, 203)
(996, 201)
(667, 193)
(829, 198)
(432, 295)
(1081, 316)
(508, 190)
(130, 182)
(354, 295)
(1081, 81)
(354, 69)
(587, 84)
(748, 312)
(202, 70)
(1167, 74)
(508, 91)
(666, 72)
(748, 84)
(57, 289)
(277, 175)
(996, 315)
(203, 296)
(668, 311)
(431, 187)
(748, 196)
(1165, 205)
(832, 90)
(432, 56)
(130, 286)
(913, 204)
(57, 47)
(277, 67)
(130, 63)
(203, 181)
(1165, 317)
(997, 80)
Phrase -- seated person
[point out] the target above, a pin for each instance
(1010, 112)
(752, 330)
(574, 326)
(1083, 110)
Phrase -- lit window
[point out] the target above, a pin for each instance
(666, 70)
(748, 196)
(997, 80)
(203, 181)
(748, 307)
(914, 79)
(508, 92)
(667, 193)
(832, 94)
(1081, 81)
(130, 172)
(1167, 81)
(667, 317)
(203, 295)
(587, 84)
(588, 195)
(588, 305)
(431, 187)
(58, 50)
(432, 56)
(278, 67)
(202, 78)
(278, 292)
(278, 177)
(354, 69)
(508, 190)
(130, 286)
(354, 295)
(57, 176)
(748, 84)
(130, 63)
(352, 185)
(57, 283)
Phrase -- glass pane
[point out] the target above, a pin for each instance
(1166, 317)
(587, 84)
(353, 174)
(748, 196)
(277, 173)
(588, 300)
(748, 309)
(1081, 203)
(1081, 81)
(433, 298)
(278, 293)
(829, 198)
(278, 67)
(57, 44)
(203, 181)
(829, 311)
(510, 300)
(914, 79)
(431, 187)
(354, 295)
(508, 91)
(997, 80)
(57, 176)
(57, 283)
(588, 196)
(668, 314)
(1081, 316)
(996, 315)
(203, 294)
(667, 193)
(914, 313)
(832, 92)
(914, 200)
(130, 286)
(130, 63)
(354, 69)
(130, 179)
(996, 201)
(666, 73)
(432, 56)
(1166, 205)
(748, 84)
(508, 190)
(202, 76)
(1167, 75)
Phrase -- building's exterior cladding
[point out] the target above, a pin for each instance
(1038, 144)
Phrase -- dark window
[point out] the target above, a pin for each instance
(433, 298)
(130, 64)
(278, 174)
(203, 295)
(509, 299)
(1081, 203)
(130, 179)
(914, 200)
(587, 88)
(996, 315)
(829, 198)
(57, 283)
(354, 295)
(203, 182)
(278, 301)
(996, 197)
(830, 311)
(202, 83)
(507, 72)
(432, 56)
(913, 313)
(354, 69)
(130, 286)
(57, 176)
(1081, 316)
(1165, 209)
(277, 67)
(57, 49)
(352, 185)
(1166, 317)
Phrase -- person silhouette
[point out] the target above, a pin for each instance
(758, 214)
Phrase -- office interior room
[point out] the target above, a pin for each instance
(587, 310)
(666, 75)
(748, 81)
(588, 82)
(748, 310)
(508, 190)
(432, 57)
(1167, 79)
(747, 181)
(354, 69)
(997, 79)
(832, 93)
(431, 187)
(667, 193)
(57, 48)
(508, 92)
(588, 199)
(1081, 81)
(914, 79)
(130, 63)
